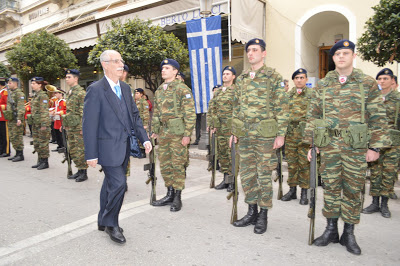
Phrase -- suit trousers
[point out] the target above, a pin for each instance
(113, 191)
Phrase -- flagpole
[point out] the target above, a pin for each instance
(229, 31)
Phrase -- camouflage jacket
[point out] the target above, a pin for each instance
(343, 105)
(223, 104)
(74, 101)
(210, 113)
(18, 98)
(389, 101)
(40, 109)
(298, 105)
(250, 100)
(164, 105)
(143, 107)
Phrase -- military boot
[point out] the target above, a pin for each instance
(44, 164)
(177, 202)
(19, 157)
(74, 176)
(384, 207)
(348, 239)
(39, 160)
(330, 235)
(290, 195)
(82, 176)
(167, 200)
(393, 195)
(374, 207)
(303, 198)
(249, 218)
(222, 185)
(262, 221)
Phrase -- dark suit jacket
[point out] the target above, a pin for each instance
(104, 134)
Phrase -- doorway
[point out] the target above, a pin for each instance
(325, 61)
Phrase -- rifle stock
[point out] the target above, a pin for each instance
(151, 167)
(234, 194)
(65, 150)
(313, 191)
(213, 158)
(279, 173)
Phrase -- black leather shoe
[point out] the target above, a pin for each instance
(249, 218)
(303, 197)
(221, 185)
(102, 228)
(374, 207)
(83, 176)
(290, 195)
(330, 235)
(262, 222)
(177, 203)
(115, 234)
(167, 200)
(74, 176)
(385, 208)
(44, 164)
(19, 157)
(349, 240)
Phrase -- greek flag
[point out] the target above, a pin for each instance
(205, 53)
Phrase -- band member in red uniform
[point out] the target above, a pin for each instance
(60, 108)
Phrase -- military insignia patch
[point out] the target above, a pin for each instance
(69, 71)
(386, 71)
(165, 86)
(70, 91)
(257, 41)
(188, 96)
(383, 98)
(165, 61)
(342, 79)
(299, 91)
(282, 84)
(300, 70)
(224, 89)
(252, 74)
(346, 44)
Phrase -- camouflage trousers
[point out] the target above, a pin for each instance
(257, 161)
(41, 140)
(343, 173)
(224, 152)
(76, 149)
(16, 135)
(384, 172)
(173, 160)
(298, 164)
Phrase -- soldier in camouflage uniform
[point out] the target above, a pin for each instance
(296, 150)
(345, 107)
(384, 170)
(41, 122)
(259, 122)
(72, 122)
(173, 122)
(16, 123)
(222, 110)
(143, 107)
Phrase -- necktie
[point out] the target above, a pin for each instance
(118, 91)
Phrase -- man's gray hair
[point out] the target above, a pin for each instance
(105, 56)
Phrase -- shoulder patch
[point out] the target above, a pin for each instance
(188, 96)
(282, 84)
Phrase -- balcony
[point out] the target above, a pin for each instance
(8, 4)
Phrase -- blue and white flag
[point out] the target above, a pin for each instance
(205, 53)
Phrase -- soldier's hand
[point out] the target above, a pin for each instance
(279, 141)
(309, 154)
(19, 122)
(185, 141)
(233, 138)
(208, 129)
(92, 163)
(372, 155)
(154, 135)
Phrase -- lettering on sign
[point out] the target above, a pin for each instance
(38, 13)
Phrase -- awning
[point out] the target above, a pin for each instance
(247, 20)
(80, 37)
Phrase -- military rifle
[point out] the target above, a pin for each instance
(151, 167)
(212, 157)
(313, 191)
(279, 174)
(65, 150)
(234, 193)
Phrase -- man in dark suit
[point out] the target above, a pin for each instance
(109, 115)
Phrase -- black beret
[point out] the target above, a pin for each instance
(139, 90)
(298, 72)
(230, 69)
(171, 62)
(126, 68)
(37, 79)
(73, 72)
(255, 41)
(216, 87)
(13, 79)
(385, 71)
(342, 44)
(182, 75)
